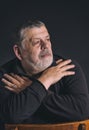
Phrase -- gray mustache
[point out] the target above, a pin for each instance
(45, 52)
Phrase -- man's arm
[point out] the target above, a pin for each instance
(72, 103)
(18, 107)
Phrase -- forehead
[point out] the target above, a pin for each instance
(35, 32)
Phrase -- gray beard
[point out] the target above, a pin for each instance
(35, 68)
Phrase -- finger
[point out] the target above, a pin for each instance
(10, 78)
(19, 78)
(58, 61)
(67, 73)
(23, 81)
(7, 82)
(63, 63)
(12, 74)
(67, 67)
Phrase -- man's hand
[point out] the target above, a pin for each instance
(55, 73)
(15, 82)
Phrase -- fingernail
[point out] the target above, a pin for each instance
(69, 60)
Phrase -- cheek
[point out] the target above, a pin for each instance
(26, 54)
(35, 54)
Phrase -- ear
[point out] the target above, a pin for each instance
(17, 52)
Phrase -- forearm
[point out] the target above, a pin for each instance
(68, 100)
(21, 106)
(65, 107)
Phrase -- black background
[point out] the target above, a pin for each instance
(67, 22)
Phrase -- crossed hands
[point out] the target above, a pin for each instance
(50, 76)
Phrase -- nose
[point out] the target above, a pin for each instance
(44, 44)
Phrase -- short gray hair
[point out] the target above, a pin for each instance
(18, 37)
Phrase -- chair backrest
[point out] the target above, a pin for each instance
(78, 125)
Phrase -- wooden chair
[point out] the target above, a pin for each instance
(78, 125)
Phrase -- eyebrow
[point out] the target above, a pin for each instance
(32, 38)
(39, 38)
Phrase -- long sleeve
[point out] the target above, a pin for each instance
(19, 107)
(70, 102)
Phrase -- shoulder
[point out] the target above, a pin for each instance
(57, 57)
(77, 68)
(8, 65)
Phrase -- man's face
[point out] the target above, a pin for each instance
(36, 49)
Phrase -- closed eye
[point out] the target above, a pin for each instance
(36, 42)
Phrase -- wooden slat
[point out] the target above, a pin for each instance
(79, 125)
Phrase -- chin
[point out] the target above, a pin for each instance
(46, 64)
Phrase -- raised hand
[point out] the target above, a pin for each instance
(55, 73)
